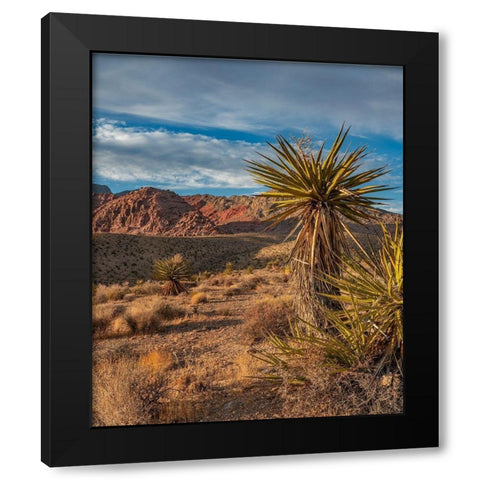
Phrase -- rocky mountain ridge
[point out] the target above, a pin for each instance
(152, 211)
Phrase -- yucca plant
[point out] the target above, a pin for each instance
(171, 271)
(372, 284)
(367, 331)
(321, 190)
(349, 342)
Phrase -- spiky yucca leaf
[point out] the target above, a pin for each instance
(375, 281)
(171, 271)
(367, 330)
(318, 189)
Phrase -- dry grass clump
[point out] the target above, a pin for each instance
(128, 391)
(105, 293)
(119, 328)
(115, 399)
(129, 297)
(199, 297)
(268, 315)
(156, 362)
(147, 288)
(233, 291)
(228, 268)
(181, 411)
(204, 275)
(251, 283)
(220, 280)
(248, 367)
(103, 314)
(352, 392)
(141, 315)
(149, 316)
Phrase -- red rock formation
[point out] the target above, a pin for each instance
(162, 212)
(149, 211)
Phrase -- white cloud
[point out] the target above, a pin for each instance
(182, 161)
(172, 160)
(253, 96)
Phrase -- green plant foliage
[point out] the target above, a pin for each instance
(319, 189)
(366, 332)
(372, 284)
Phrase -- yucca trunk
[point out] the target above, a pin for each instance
(318, 248)
(173, 287)
(318, 189)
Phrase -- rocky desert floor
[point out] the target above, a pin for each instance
(188, 358)
(192, 357)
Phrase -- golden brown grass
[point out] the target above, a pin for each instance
(344, 394)
(104, 314)
(233, 291)
(268, 315)
(104, 293)
(178, 359)
(156, 362)
(115, 399)
(198, 297)
(149, 287)
(148, 315)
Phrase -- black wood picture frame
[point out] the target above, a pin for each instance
(68, 40)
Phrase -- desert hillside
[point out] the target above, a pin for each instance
(151, 211)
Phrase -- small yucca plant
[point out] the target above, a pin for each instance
(320, 190)
(171, 271)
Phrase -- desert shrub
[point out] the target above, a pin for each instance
(199, 297)
(115, 398)
(348, 393)
(156, 362)
(104, 293)
(119, 327)
(268, 315)
(149, 317)
(228, 268)
(147, 288)
(250, 283)
(102, 316)
(249, 270)
(220, 280)
(172, 271)
(233, 291)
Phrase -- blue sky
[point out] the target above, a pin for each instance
(187, 124)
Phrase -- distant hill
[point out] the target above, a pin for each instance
(149, 211)
(96, 188)
(153, 211)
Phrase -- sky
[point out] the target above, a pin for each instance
(187, 124)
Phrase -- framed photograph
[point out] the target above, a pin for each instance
(239, 239)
